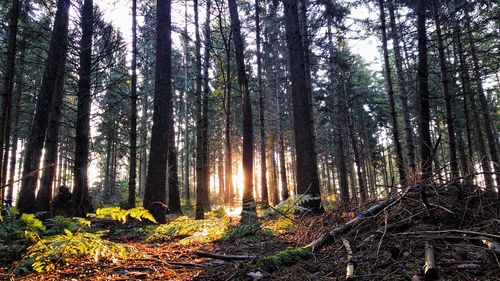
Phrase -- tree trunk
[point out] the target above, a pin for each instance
(403, 90)
(44, 195)
(82, 203)
(445, 80)
(205, 100)
(16, 129)
(423, 99)
(263, 172)
(185, 94)
(486, 111)
(174, 200)
(469, 101)
(307, 168)
(133, 113)
(338, 124)
(8, 86)
(200, 180)
(154, 197)
(248, 214)
(390, 92)
(54, 71)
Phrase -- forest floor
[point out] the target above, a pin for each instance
(463, 231)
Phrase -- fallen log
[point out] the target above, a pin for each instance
(430, 271)
(223, 257)
(330, 237)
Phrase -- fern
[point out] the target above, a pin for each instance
(291, 206)
(30, 221)
(46, 253)
(115, 213)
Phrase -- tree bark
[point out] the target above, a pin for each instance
(400, 163)
(486, 110)
(338, 124)
(174, 200)
(445, 80)
(54, 71)
(248, 214)
(263, 172)
(82, 203)
(205, 100)
(8, 86)
(133, 113)
(200, 180)
(44, 195)
(423, 100)
(154, 197)
(403, 90)
(307, 168)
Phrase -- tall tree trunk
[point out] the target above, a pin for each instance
(403, 91)
(445, 80)
(273, 182)
(263, 172)
(200, 180)
(248, 214)
(478, 134)
(281, 152)
(154, 197)
(8, 86)
(133, 113)
(338, 124)
(307, 168)
(82, 203)
(16, 129)
(357, 158)
(423, 101)
(486, 110)
(174, 200)
(186, 105)
(205, 100)
(44, 195)
(390, 92)
(144, 153)
(54, 71)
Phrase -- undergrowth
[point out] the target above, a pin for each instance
(189, 230)
(118, 214)
(45, 254)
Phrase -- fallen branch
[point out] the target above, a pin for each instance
(223, 257)
(467, 232)
(330, 237)
(430, 271)
(349, 275)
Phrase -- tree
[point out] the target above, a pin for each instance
(390, 92)
(307, 168)
(8, 86)
(423, 100)
(133, 113)
(445, 80)
(154, 195)
(82, 203)
(54, 72)
(263, 172)
(200, 175)
(249, 213)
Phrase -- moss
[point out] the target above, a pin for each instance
(285, 258)
(241, 231)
